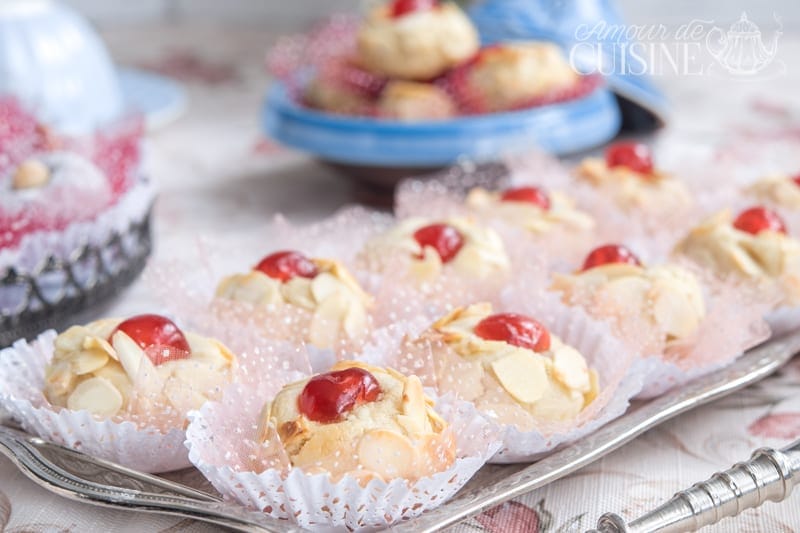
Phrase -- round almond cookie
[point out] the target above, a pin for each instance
(777, 189)
(455, 244)
(629, 178)
(681, 317)
(542, 381)
(359, 420)
(756, 251)
(117, 389)
(424, 266)
(358, 447)
(412, 101)
(331, 309)
(415, 40)
(754, 247)
(509, 76)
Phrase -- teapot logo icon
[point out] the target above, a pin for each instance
(741, 50)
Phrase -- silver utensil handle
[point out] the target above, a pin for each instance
(769, 475)
(80, 477)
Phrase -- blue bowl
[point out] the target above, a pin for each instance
(558, 128)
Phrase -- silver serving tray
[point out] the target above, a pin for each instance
(81, 477)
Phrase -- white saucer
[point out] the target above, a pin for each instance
(161, 99)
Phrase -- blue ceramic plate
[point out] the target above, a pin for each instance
(558, 128)
(160, 99)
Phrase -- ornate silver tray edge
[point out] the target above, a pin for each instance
(505, 482)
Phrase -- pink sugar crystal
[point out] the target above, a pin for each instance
(117, 152)
(20, 134)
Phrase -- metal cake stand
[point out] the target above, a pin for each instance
(52, 294)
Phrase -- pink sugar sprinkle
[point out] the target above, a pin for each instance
(117, 152)
(20, 134)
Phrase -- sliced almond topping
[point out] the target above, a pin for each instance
(70, 340)
(129, 354)
(625, 291)
(344, 277)
(265, 425)
(208, 351)
(96, 395)
(355, 322)
(743, 261)
(254, 287)
(429, 267)
(183, 396)
(673, 312)
(413, 407)
(619, 270)
(767, 249)
(114, 373)
(59, 380)
(201, 377)
(324, 328)
(594, 388)
(86, 361)
(324, 285)
(297, 291)
(569, 367)
(93, 342)
(387, 453)
(522, 375)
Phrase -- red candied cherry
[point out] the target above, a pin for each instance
(796, 179)
(443, 238)
(158, 336)
(758, 219)
(405, 7)
(287, 265)
(609, 254)
(532, 195)
(326, 397)
(517, 330)
(635, 156)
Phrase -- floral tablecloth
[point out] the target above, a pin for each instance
(217, 175)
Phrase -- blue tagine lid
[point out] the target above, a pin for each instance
(594, 36)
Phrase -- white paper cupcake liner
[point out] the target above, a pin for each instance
(783, 320)
(220, 449)
(660, 376)
(22, 369)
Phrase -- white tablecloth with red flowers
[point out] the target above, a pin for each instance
(217, 175)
